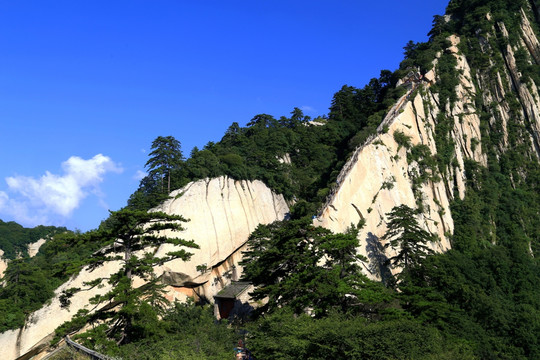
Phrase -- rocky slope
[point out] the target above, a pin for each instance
(33, 248)
(384, 172)
(222, 212)
(3, 264)
(401, 164)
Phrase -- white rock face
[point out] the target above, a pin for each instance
(33, 248)
(529, 37)
(3, 264)
(378, 176)
(8, 340)
(223, 213)
(42, 323)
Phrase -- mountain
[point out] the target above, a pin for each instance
(223, 213)
(454, 134)
(428, 147)
(17, 241)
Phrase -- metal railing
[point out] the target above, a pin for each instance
(93, 354)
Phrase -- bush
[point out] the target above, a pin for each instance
(402, 140)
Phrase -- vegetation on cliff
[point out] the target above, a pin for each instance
(14, 238)
(480, 300)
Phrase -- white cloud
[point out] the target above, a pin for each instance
(54, 195)
(139, 175)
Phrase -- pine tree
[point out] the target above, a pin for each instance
(166, 156)
(131, 238)
(405, 235)
(297, 265)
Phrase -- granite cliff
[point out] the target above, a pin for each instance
(222, 212)
(385, 172)
(421, 155)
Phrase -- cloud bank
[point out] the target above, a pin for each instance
(32, 201)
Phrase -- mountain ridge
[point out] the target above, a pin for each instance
(459, 143)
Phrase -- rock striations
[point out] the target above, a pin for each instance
(381, 173)
(396, 166)
(222, 212)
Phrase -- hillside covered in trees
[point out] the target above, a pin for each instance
(478, 300)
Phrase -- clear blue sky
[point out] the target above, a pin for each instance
(85, 86)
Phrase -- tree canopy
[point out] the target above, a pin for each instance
(300, 266)
(132, 237)
(405, 236)
(166, 156)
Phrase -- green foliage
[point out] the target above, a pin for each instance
(303, 267)
(68, 354)
(26, 289)
(14, 238)
(405, 236)
(165, 158)
(527, 66)
(426, 162)
(284, 336)
(133, 310)
(488, 298)
(185, 331)
(30, 282)
(402, 140)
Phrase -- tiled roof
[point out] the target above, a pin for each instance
(233, 290)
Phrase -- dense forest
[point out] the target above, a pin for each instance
(14, 238)
(479, 300)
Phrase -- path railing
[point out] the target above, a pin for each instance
(93, 354)
(349, 164)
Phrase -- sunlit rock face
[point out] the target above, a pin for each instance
(3, 263)
(40, 324)
(33, 248)
(379, 175)
(222, 212)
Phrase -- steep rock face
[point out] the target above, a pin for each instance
(42, 323)
(3, 264)
(223, 213)
(33, 248)
(527, 93)
(380, 175)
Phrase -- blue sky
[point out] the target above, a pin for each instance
(85, 86)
